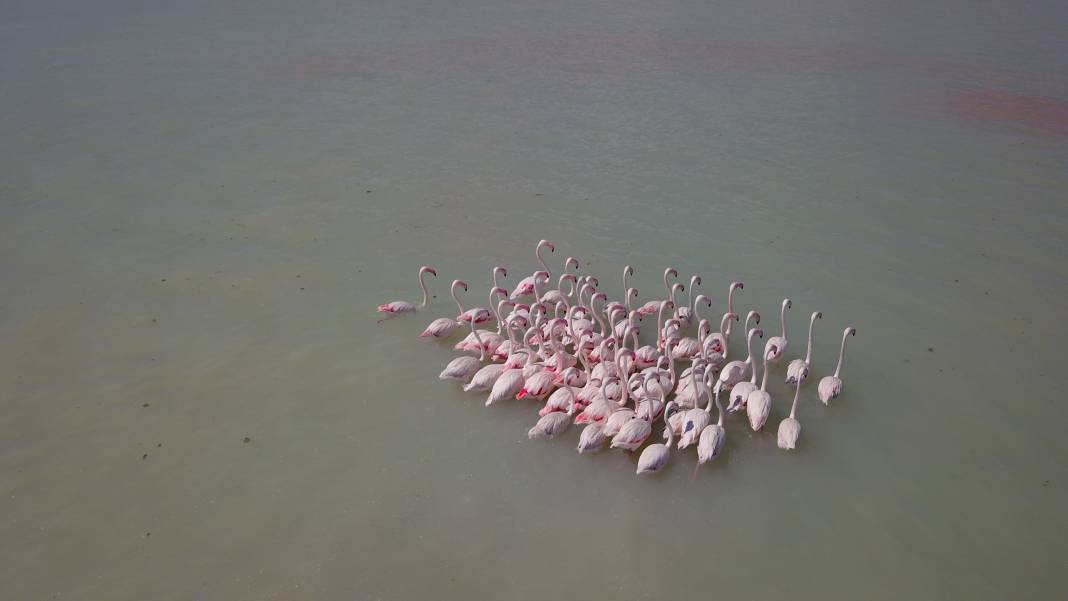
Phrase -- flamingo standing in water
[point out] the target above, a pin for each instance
(397, 307)
(831, 386)
(554, 423)
(735, 371)
(776, 345)
(462, 368)
(443, 327)
(654, 305)
(686, 314)
(797, 370)
(712, 438)
(758, 403)
(790, 428)
(481, 314)
(656, 456)
(525, 287)
(730, 306)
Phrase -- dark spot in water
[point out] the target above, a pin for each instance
(298, 275)
(163, 279)
(957, 281)
(302, 287)
(368, 191)
(930, 349)
(154, 320)
(538, 194)
(148, 534)
(144, 404)
(159, 445)
(145, 456)
(247, 439)
(906, 360)
(435, 296)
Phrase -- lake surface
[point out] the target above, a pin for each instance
(202, 203)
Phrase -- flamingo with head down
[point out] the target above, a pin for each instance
(399, 306)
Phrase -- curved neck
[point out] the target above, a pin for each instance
(764, 380)
(841, 354)
(459, 305)
(689, 297)
(496, 270)
(422, 284)
(667, 286)
(667, 428)
(537, 254)
(730, 309)
(782, 318)
(626, 274)
(659, 326)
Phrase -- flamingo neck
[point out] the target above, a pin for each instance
(764, 380)
(422, 284)
(457, 300)
(730, 309)
(808, 350)
(841, 354)
(797, 392)
(537, 254)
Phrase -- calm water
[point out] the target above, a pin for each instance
(203, 202)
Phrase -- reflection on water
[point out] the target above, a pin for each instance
(203, 205)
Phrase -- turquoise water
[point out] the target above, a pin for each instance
(203, 203)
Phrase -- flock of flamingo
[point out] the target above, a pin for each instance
(569, 350)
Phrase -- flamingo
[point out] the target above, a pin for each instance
(730, 305)
(654, 305)
(485, 377)
(462, 368)
(686, 314)
(694, 420)
(656, 456)
(443, 327)
(625, 305)
(712, 438)
(480, 314)
(637, 431)
(758, 403)
(776, 345)
(734, 371)
(716, 344)
(525, 287)
(790, 428)
(397, 307)
(557, 295)
(555, 423)
(592, 439)
(502, 271)
(831, 386)
(797, 370)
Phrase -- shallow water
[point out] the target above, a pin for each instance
(202, 204)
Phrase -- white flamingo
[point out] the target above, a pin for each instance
(654, 305)
(712, 439)
(462, 368)
(775, 347)
(525, 287)
(797, 370)
(397, 307)
(656, 456)
(831, 386)
(735, 371)
(758, 403)
(790, 428)
(686, 314)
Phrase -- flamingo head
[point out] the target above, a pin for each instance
(459, 283)
(787, 303)
(499, 292)
(428, 269)
(549, 245)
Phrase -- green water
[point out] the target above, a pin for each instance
(202, 203)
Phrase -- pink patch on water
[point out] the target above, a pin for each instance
(1010, 108)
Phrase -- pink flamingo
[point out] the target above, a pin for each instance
(713, 437)
(555, 423)
(525, 287)
(797, 371)
(776, 345)
(686, 314)
(758, 403)
(462, 368)
(655, 456)
(654, 305)
(443, 327)
(397, 307)
(481, 314)
(790, 428)
(831, 386)
(730, 305)
(734, 371)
